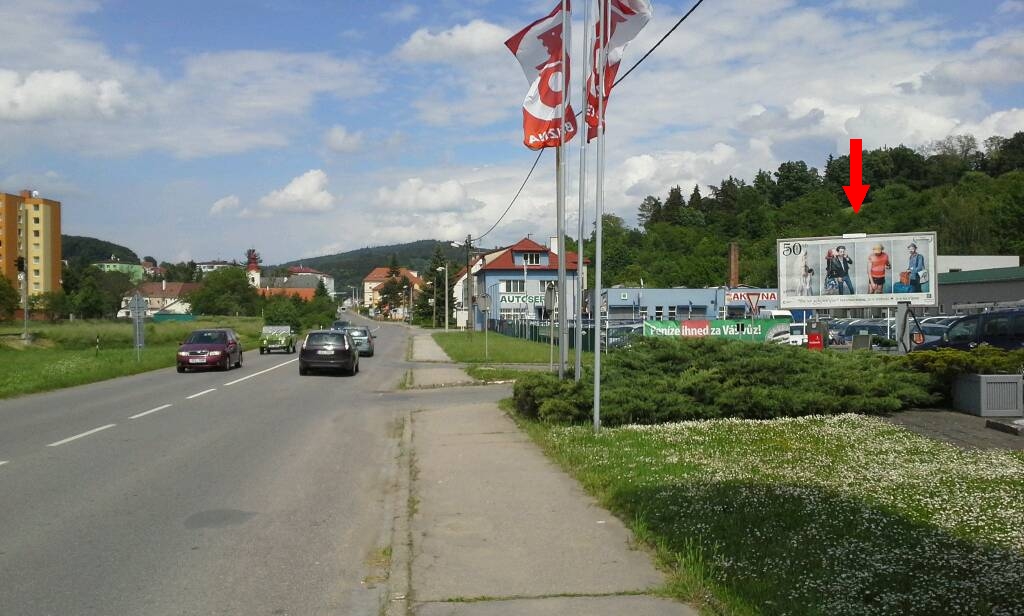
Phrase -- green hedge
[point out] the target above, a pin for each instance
(661, 380)
(944, 365)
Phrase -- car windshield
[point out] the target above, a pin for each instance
(207, 338)
(325, 339)
(358, 333)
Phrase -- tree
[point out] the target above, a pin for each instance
(393, 270)
(321, 290)
(9, 299)
(672, 211)
(226, 292)
(649, 212)
(88, 300)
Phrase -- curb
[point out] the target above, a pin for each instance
(396, 597)
(1009, 428)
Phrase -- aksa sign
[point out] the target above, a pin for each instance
(855, 272)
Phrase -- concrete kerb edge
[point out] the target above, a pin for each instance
(396, 601)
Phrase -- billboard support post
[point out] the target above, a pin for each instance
(903, 328)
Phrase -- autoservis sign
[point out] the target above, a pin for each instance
(520, 298)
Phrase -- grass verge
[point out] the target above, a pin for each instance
(810, 516)
(490, 374)
(473, 348)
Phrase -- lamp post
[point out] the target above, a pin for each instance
(447, 292)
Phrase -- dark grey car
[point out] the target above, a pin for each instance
(326, 349)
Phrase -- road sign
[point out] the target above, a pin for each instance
(137, 307)
(484, 302)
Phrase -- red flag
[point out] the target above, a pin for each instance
(626, 18)
(538, 47)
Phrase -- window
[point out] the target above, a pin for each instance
(671, 313)
(35, 233)
(658, 312)
(531, 258)
(964, 331)
(515, 286)
(35, 273)
(35, 259)
(997, 326)
(643, 312)
(513, 314)
(35, 220)
(35, 207)
(1018, 327)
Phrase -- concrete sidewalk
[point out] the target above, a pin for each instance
(496, 529)
(434, 368)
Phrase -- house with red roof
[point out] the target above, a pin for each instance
(516, 279)
(378, 277)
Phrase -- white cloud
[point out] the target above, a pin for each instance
(304, 194)
(414, 194)
(1010, 6)
(225, 204)
(872, 5)
(459, 44)
(402, 12)
(56, 95)
(338, 139)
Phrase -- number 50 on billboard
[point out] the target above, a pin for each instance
(858, 271)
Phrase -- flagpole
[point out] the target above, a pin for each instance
(560, 302)
(599, 219)
(581, 229)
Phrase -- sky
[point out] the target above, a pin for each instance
(195, 130)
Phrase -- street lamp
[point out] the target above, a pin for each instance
(447, 292)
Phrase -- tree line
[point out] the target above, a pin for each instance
(972, 195)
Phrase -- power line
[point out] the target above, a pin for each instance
(578, 113)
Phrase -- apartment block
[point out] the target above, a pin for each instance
(30, 228)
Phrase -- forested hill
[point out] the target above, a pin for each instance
(971, 195)
(349, 268)
(80, 250)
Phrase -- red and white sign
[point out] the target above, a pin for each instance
(695, 329)
(744, 298)
(538, 47)
(626, 19)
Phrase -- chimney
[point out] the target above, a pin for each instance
(26, 194)
(553, 243)
(734, 265)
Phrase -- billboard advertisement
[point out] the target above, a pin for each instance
(742, 329)
(858, 271)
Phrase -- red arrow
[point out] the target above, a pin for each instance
(856, 191)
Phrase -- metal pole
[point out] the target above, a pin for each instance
(599, 219)
(580, 228)
(470, 317)
(563, 321)
(433, 320)
(447, 292)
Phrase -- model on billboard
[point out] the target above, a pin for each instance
(878, 262)
(807, 279)
(915, 266)
(838, 269)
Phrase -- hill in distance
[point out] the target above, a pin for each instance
(349, 268)
(84, 250)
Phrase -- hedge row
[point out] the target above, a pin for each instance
(661, 380)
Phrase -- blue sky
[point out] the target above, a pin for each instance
(194, 130)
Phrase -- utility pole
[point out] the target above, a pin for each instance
(471, 314)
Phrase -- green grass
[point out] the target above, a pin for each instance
(811, 516)
(472, 348)
(490, 374)
(64, 354)
(34, 370)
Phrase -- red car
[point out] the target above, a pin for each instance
(210, 348)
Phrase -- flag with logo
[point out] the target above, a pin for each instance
(626, 19)
(538, 47)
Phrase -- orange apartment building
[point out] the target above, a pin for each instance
(30, 228)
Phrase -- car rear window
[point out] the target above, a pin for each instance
(326, 339)
(358, 333)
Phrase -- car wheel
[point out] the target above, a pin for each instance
(226, 364)
(262, 350)
(303, 371)
(181, 369)
(239, 363)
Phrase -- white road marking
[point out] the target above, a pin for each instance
(144, 413)
(202, 393)
(78, 436)
(2, 462)
(262, 371)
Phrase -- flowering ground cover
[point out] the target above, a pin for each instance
(835, 515)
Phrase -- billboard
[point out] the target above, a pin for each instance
(743, 329)
(858, 271)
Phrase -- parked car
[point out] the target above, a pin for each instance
(210, 348)
(939, 320)
(363, 339)
(1000, 328)
(277, 337)
(329, 349)
(931, 331)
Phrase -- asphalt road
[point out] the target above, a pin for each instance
(254, 491)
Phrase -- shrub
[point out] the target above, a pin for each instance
(660, 380)
(944, 365)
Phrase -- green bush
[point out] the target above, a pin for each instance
(661, 380)
(944, 365)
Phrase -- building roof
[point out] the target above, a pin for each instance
(380, 274)
(305, 270)
(998, 274)
(506, 261)
(173, 289)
